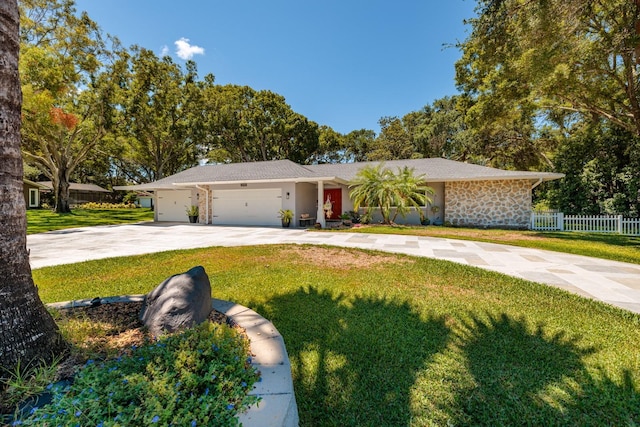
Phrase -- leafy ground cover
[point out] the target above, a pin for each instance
(42, 220)
(198, 377)
(381, 339)
(599, 245)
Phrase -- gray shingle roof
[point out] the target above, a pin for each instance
(251, 171)
(233, 172)
(435, 170)
(76, 186)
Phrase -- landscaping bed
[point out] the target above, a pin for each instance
(116, 374)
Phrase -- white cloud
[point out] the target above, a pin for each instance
(165, 51)
(185, 50)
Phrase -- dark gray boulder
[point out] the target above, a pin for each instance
(180, 302)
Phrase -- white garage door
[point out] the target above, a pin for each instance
(172, 205)
(247, 207)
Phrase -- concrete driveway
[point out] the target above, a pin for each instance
(613, 282)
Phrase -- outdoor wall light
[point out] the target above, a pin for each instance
(287, 195)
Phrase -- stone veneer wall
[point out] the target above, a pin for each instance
(202, 205)
(488, 203)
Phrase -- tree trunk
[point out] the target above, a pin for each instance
(61, 193)
(27, 331)
(637, 49)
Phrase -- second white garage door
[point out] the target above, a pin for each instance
(247, 207)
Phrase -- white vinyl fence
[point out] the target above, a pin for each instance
(557, 221)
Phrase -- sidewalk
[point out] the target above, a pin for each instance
(613, 282)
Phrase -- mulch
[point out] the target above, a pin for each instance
(121, 315)
(124, 330)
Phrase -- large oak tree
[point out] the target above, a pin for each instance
(246, 125)
(158, 120)
(66, 108)
(558, 57)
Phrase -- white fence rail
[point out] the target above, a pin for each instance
(557, 221)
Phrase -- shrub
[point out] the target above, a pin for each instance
(104, 205)
(130, 198)
(199, 377)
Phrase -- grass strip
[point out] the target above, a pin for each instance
(615, 247)
(41, 220)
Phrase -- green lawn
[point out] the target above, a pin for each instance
(42, 220)
(599, 245)
(379, 339)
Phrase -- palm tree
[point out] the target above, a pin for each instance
(27, 330)
(377, 186)
(412, 192)
(370, 188)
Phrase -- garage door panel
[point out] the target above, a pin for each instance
(247, 207)
(172, 205)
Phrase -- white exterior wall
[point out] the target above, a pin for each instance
(306, 200)
(436, 200)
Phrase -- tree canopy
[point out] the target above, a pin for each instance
(554, 85)
(66, 105)
(246, 125)
(158, 117)
(556, 57)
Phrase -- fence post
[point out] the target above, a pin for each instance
(560, 223)
(620, 218)
(532, 225)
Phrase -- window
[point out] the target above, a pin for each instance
(33, 197)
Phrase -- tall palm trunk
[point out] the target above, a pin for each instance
(27, 331)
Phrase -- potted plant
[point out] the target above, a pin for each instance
(286, 215)
(193, 212)
(346, 219)
(355, 217)
(424, 219)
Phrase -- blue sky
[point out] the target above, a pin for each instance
(341, 63)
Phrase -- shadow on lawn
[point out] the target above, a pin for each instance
(530, 378)
(354, 361)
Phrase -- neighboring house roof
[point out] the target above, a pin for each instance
(34, 184)
(434, 169)
(76, 186)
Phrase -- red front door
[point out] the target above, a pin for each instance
(332, 203)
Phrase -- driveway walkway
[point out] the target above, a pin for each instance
(609, 281)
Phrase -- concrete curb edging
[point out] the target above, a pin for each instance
(277, 407)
